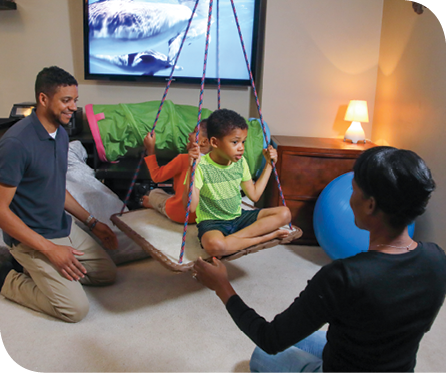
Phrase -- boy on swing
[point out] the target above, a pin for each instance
(223, 227)
(167, 204)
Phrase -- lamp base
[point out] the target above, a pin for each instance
(355, 142)
(355, 133)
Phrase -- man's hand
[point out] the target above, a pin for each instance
(63, 258)
(106, 235)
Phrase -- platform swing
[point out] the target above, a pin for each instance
(158, 235)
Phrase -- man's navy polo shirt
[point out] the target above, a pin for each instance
(35, 163)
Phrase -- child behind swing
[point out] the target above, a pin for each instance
(163, 202)
(223, 227)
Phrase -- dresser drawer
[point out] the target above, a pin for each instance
(306, 165)
(302, 217)
(304, 176)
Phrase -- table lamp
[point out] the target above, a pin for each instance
(356, 113)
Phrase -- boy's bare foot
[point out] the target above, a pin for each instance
(145, 202)
(292, 235)
(278, 233)
(282, 233)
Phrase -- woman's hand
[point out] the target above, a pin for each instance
(215, 277)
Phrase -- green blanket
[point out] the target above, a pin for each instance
(125, 125)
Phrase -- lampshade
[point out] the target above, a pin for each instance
(356, 113)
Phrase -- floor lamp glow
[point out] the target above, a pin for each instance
(356, 113)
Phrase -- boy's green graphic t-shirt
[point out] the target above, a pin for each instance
(220, 197)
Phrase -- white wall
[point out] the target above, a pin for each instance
(410, 108)
(50, 32)
(319, 54)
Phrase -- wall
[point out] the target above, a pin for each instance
(319, 54)
(410, 109)
(50, 32)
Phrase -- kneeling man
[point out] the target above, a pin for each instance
(52, 257)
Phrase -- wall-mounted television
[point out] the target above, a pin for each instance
(138, 40)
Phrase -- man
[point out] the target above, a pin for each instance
(52, 257)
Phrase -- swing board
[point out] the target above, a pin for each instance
(161, 238)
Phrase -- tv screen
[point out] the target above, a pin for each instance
(138, 40)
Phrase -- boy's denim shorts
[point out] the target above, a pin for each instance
(228, 227)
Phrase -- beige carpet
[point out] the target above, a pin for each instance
(153, 320)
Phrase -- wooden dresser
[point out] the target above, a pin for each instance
(305, 166)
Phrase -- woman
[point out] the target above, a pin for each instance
(377, 304)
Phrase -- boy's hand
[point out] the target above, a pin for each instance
(270, 154)
(149, 143)
(194, 153)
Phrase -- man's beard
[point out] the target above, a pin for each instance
(57, 119)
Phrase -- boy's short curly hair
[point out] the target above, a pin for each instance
(204, 127)
(50, 78)
(223, 121)
(398, 179)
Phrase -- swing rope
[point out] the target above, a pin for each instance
(200, 110)
(194, 164)
(218, 55)
(257, 103)
(138, 168)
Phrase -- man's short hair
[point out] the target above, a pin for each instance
(50, 79)
(223, 121)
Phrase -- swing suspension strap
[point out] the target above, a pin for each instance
(138, 168)
(257, 102)
(200, 109)
(194, 164)
(199, 115)
(218, 56)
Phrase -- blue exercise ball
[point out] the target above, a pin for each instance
(334, 222)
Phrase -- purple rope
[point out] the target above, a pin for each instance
(173, 67)
(257, 102)
(192, 176)
(138, 168)
(218, 56)
(132, 184)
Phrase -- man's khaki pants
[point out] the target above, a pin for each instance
(45, 290)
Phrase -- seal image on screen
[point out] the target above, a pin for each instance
(122, 27)
(145, 63)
